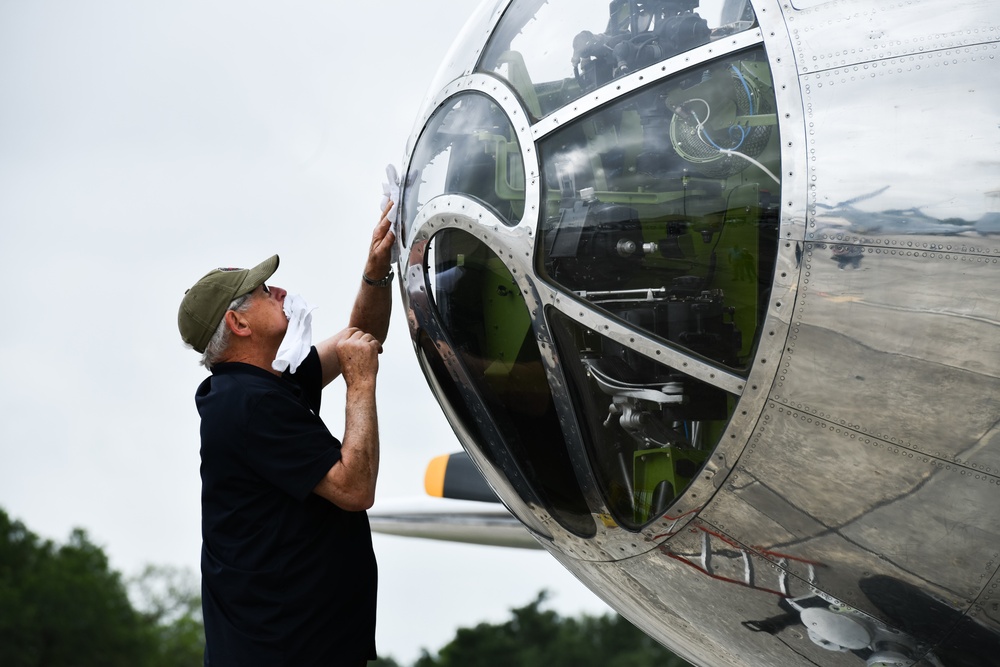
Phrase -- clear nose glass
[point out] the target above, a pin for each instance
(489, 329)
(468, 147)
(647, 428)
(662, 209)
(555, 51)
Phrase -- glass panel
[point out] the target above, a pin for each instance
(464, 421)
(551, 51)
(468, 147)
(662, 208)
(648, 428)
(484, 313)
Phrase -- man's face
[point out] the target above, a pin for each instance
(267, 312)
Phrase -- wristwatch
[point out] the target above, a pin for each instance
(382, 282)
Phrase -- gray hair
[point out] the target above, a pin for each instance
(220, 339)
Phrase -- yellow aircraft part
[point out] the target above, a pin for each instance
(434, 477)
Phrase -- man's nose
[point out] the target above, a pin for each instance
(279, 293)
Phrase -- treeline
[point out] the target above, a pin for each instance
(534, 637)
(63, 606)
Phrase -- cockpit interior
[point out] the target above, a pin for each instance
(658, 208)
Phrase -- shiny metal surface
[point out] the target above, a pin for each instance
(844, 509)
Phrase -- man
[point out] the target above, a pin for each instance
(288, 570)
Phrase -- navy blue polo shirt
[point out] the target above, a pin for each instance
(288, 578)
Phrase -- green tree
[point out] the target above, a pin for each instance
(64, 605)
(169, 600)
(534, 637)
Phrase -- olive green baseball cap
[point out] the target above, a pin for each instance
(205, 304)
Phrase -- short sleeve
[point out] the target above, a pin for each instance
(308, 377)
(289, 445)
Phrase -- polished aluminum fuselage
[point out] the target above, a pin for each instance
(850, 512)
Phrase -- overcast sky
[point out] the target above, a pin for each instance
(143, 144)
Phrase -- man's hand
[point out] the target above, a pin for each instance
(358, 354)
(350, 483)
(373, 304)
(390, 193)
(380, 251)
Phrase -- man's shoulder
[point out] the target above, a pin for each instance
(235, 386)
(239, 377)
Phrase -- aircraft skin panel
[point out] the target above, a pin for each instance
(850, 551)
(883, 30)
(712, 299)
(673, 595)
(879, 344)
(974, 637)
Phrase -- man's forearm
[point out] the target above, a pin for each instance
(372, 308)
(360, 449)
(373, 304)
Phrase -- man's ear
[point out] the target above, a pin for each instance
(237, 323)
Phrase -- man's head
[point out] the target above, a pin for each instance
(202, 314)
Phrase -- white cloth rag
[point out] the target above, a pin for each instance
(390, 192)
(297, 342)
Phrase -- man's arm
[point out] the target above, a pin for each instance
(350, 483)
(373, 304)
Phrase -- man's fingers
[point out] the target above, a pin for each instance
(365, 337)
(372, 341)
(384, 227)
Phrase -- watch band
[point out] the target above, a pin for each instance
(382, 282)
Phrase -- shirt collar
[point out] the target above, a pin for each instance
(235, 367)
